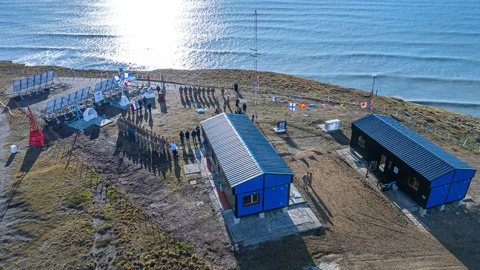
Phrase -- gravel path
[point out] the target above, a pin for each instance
(4, 128)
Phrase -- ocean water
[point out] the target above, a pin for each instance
(422, 50)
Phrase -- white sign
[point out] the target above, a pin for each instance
(98, 96)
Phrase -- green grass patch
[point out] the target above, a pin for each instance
(88, 225)
(102, 242)
(78, 198)
(112, 196)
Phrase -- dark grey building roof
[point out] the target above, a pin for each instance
(241, 148)
(417, 152)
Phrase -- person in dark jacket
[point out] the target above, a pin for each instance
(198, 133)
(182, 135)
(237, 101)
(187, 137)
(244, 107)
(253, 118)
(194, 137)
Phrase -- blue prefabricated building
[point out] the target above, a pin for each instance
(425, 172)
(251, 174)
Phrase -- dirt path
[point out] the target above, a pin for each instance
(4, 127)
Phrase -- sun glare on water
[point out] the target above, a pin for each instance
(150, 34)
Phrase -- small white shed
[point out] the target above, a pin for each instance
(332, 125)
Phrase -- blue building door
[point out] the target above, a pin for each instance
(275, 197)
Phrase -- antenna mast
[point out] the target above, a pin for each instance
(255, 64)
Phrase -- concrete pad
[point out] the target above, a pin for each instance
(253, 230)
(191, 168)
(101, 122)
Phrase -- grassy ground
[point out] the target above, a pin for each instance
(62, 214)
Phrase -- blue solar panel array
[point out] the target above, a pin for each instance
(34, 81)
(63, 102)
(106, 85)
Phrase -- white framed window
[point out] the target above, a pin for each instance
(251, 199)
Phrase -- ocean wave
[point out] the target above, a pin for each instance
(42, 48)
(394, 55)
(383, 76)
(440, 103)
(79, 35)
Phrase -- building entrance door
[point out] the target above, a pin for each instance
(381, 165)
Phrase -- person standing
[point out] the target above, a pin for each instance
(181, 136)
(244, 108)
(310, 179)
(174, 148)
(194, 137)
(237, 101)
(167, 146)
(187, 137)
(213, 91)
(228, 100)
(198, 134)
(218, 102)
(305, 180)
(223, 91)
(253, 118)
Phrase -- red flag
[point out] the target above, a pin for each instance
(364, 105)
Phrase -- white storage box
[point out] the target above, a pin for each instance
(13, 148)
(332, 125)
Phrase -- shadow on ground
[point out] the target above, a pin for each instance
(339, 137)
(289, 252)
(453, 228)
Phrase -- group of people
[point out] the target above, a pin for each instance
(147, 139)
(240, 109)
(197, 91)
(195, 135)
(307, 180)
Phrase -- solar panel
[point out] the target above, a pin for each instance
(68, 100)
(106, 85)
(35, 80)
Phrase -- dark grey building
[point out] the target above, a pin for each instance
(427, 173)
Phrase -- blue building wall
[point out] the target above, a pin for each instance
(272, 180)
(438, 195)
(443, 180)
(250, 209)
(254, 184)
(273, 190)
(276, 197)
(463, 175)
(458, 190)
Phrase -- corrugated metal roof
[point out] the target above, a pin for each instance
(241, 148)
(417, 152)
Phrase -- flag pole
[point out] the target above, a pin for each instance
(374, 76)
